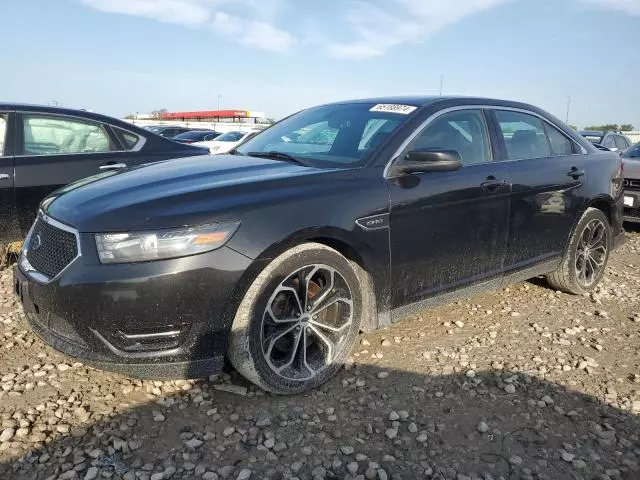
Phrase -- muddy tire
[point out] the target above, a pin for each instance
(298, 320)
(585, 260)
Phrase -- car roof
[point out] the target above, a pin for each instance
(27, 107)
(426, 100)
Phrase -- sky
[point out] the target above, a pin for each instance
(278, 56)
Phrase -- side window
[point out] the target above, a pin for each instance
(560, 145)
(609, 142)
(464, 131)
(51, 135)
(621, 143)
(129, 140)
(3, 132)
(523, 134)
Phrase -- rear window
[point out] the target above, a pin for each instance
(129, 140)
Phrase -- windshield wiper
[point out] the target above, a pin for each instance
(279, 156)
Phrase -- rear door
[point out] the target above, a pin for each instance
(547, 170)
(54, 150)
(8, 219)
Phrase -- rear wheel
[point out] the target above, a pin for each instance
(585, 259)
(298, 320)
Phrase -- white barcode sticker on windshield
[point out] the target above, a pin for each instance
(393, 108)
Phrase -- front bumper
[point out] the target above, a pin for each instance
(161, 319)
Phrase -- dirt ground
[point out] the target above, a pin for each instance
(523, 383)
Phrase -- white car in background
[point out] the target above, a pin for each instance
(226, 142)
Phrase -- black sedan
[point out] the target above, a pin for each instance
(193, 136)
(340, 218)
(43, 148)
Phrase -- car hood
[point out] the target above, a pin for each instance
(175, 193)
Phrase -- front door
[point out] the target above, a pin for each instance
(449, 228)
(547, 169)
(54, 150)
(9, 230)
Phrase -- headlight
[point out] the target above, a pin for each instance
(161, 244)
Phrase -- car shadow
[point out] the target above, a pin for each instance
(417, 422)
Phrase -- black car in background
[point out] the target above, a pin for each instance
(168, 131)
(43, 148)
(196, 136)
(340, 218)
(612, 141)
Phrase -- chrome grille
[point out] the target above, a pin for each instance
(50, 249)
(632, 183)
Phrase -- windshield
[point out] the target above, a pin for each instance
(341, 134)
(231, 137)
(633, 151)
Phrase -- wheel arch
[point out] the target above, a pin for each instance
(332, 237)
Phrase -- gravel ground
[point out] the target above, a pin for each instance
(524, 383)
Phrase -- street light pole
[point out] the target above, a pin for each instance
(568, 108)
(441, 80)
(219, 97)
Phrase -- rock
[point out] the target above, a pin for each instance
(482, 427)
(382, 375)
(92, 473)
(413, 428)
(391, 433)
(228, 431)
(228, 387)
(226, 471)
(510, 389)
(157, 476)
(353, 467)
(385, 343)
(515, 460)
(566, 456)
(244, 474)
(393, 416)
(263, 421)
(347, 450)
(579, 464)
(365, 343)
(7, 434)
(193, 443)
(210, 476)
(382, 474)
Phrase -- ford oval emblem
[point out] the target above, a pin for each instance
(36, 243)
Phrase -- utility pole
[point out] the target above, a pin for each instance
(568, 108)
(441, 80)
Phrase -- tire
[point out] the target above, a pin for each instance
(578, 274)
(274, 341)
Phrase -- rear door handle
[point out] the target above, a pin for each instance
(4, 176)
(574, 172)
(493, 185)
(113, 166)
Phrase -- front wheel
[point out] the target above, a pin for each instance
(586, 257)
(298, 321)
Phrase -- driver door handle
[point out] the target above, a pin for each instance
(113, 166)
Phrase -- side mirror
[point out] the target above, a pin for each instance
(422, 161)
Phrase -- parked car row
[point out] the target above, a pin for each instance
(340, 218)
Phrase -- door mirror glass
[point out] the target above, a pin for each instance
(422, 161)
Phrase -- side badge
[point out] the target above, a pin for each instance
(374, 222)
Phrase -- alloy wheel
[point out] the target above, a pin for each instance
(306, 322)
(591, 253)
